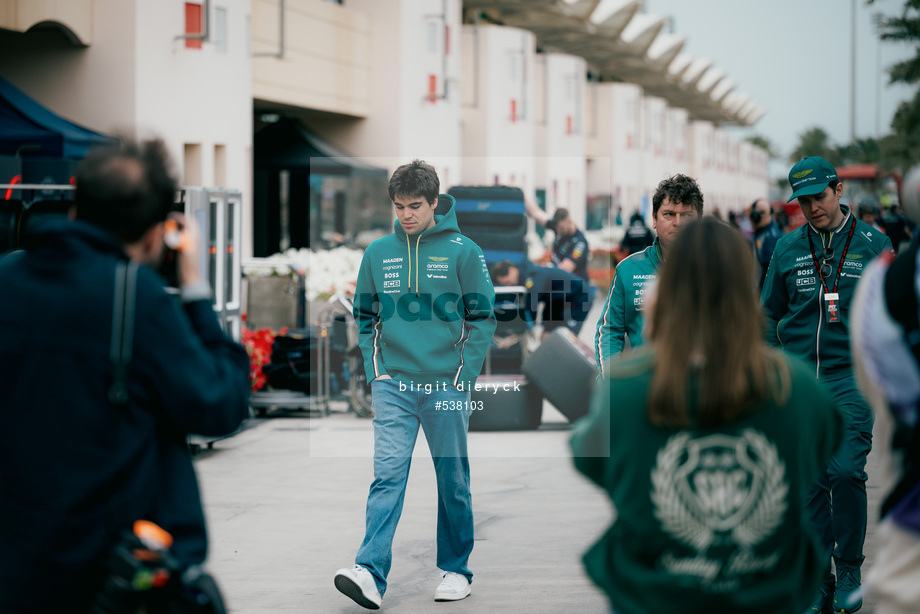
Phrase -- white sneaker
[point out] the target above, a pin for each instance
(358, 584)
(453, 587)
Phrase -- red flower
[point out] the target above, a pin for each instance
(258, 344)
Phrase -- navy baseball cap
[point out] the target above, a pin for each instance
(811, 175)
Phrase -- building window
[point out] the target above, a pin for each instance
(220, 166)
(192, 25)
(192, 164)
(220, 30)
(432, 37)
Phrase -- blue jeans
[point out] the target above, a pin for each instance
(444, 417)
(837, 502)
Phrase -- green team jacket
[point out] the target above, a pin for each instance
(424, 305)
(708, 519)
(622, 315)
(793, 295)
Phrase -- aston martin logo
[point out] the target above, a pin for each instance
(719, 489)
(437, 258)
(804, 173)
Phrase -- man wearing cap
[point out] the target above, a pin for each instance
(806, 298)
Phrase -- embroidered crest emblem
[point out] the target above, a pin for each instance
(719, 489)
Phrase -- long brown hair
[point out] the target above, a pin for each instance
(706, 320)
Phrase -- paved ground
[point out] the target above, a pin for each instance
(285, 506)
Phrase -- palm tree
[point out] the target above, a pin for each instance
(815, 142)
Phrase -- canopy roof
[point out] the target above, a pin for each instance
(287, 143)
(28, 129)
(620, 43)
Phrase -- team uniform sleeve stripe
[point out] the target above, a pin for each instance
(464, 337)
(377, 326)
(600, 337)
(603, 321)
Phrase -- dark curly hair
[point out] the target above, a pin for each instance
(126, 189)
(415, 179)
(680, 189)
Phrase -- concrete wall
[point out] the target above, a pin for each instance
(411, 41)
(499, 110)
(94, 85)
(136, 78)
(327, 58)
(73, 16)
(655, 165)
(561, 136)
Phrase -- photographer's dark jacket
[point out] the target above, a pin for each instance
(75, 471)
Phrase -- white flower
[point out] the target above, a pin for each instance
(327, 272)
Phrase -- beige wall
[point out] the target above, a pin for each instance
(327, 55)
(76, 16)
(93, 86)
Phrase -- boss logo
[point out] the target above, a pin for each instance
(390, 275)
(806, 272)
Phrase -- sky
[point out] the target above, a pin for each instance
(794, 58)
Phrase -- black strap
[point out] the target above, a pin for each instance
(122, 330)
(843, 255)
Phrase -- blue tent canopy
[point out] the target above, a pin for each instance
(29, 129)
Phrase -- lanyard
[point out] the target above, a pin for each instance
(843, 255)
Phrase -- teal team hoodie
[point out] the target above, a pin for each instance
(622, 315)
(793, 295)
(424, 305)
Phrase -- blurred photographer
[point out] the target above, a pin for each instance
(766, 234)
(93, 433)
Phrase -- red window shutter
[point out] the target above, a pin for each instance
(513, 110)
(432, 88)
(192, 24)
(568, 124)
(446, 40)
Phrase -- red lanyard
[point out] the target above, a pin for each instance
(843, 255)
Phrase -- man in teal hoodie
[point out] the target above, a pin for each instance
(807, 296)
(677, 200)
(424, 308)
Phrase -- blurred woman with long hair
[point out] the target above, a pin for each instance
(707, 441)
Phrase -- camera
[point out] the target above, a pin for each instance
(174, 242)
(143, 573)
